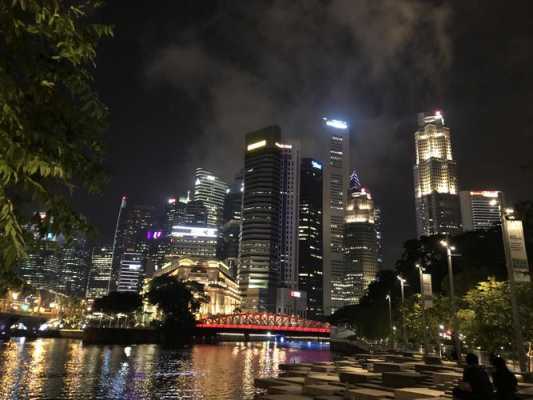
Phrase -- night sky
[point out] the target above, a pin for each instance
(185, 80)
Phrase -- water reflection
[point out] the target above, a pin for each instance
(64, 369)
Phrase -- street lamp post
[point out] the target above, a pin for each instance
(387, 297)
(404, 332)
(424, 319)
(455, 336)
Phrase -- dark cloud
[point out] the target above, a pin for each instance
(292, 62)
(186, 80)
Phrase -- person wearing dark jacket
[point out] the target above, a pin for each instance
(476, 384)
(504, 380)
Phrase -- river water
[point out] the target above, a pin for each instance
(65, 369)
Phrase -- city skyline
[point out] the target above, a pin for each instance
(184, 116)
(234, 200)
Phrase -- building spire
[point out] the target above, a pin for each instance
(355, 183)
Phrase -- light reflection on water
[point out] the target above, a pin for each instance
(65, 369)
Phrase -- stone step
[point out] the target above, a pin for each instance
(413, 393)
(321, 379)
(367, 394)
(323, 390)
(285, 389)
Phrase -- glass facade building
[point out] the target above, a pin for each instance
(361, 241)
(289, 213)
(481, 209)
(336, 172)
(259, 253)
(100, 272)
(211, 191)
(310, 258)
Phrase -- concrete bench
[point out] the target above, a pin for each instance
(320, 379)
(285, 397)
(417, 393)
(323, 390)
(293, 380)
(285, 389)
(295, 373)
(402, 379)
(288, 367)
(265, 383)
(323, 368)
(386, 367)
(367, 394)
(399, 359)
(357, 376)
(428, 368)
(434, 360)
(447, 376)
(328, 397)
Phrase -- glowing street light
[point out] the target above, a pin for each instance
(388, 298)
(404, 332)
(421, 271)
(456, 341)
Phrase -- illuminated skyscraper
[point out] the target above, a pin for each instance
(337, 171)
(130, 234)
(228, 249)
(259, 253)
(435, 178)
(379, 233)
(131, 272)
(100, 272)
(290, 193)
(210, 190)
(42, 264)
(481, 209)
(310, 268)
(361, 241)
(73, 268)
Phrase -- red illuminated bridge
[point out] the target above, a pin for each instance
(254, 323)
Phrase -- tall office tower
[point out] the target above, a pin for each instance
(192, 213)
(195, 214)
(310, 267)
(289, 213)
(481, 209)
(336, 173)
(132, 224)
(360, 242)
(131, 271)
(378, 222)
(210, 190)
(231, 229)
(100, 272)
(259, 251)
(435, 177)
(73, 268)
(41, 265)
(173, 214)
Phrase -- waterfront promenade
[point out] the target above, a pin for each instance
(368, 377)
